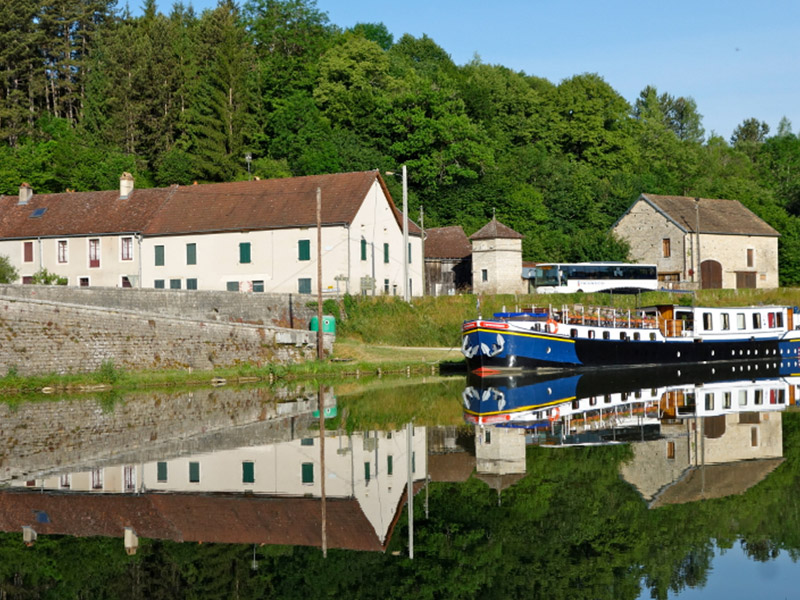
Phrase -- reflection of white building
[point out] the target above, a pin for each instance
(370, 468)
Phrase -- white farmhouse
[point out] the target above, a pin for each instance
(254, 236)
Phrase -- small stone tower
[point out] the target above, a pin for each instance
(497, 260)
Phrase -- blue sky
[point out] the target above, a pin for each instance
(736, 59)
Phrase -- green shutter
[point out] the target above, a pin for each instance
(191, 284)
(308, 472)
(191, 254)
(366, 472)
(389, 464)
(244, 252)
(304, 249)
(194, 472)
(386, 253)
(248, 472)
(304, 285)
(159, 256)
(158, 284)
(162, 471)
(363, 249)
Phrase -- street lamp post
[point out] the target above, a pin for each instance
(248, 158)
(406, 291)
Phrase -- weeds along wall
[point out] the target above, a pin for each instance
(54, 335)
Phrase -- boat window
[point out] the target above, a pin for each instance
(573, 333)
(607, 399)
(781, 396)
(740, 322)
(606, 335)
(742, 397)
(771, 320)
(726, 400)
(537, 327)
(710, 401)
(592, 401)
(623, 335)
(759, 397)
(653, 337)
(576, 405)
(624, 396)
(591, 334)
(707, 322)
(779, 319)
(726, 321)
(756, 320)
(636, 336)
(637, 394)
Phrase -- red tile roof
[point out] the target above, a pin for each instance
(192, 518)
(447, 242)
(217, 207)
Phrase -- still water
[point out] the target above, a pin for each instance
(667, 483)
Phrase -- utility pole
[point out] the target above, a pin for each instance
(406, 291)
(697, 227)
(422, 238)
(320, 334)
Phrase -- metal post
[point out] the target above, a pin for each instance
(410, 451)
(406, 291)
(320, 335)
(422, 237)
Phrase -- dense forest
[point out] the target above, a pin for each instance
(88, 91)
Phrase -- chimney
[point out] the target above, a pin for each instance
(125, 185)
(25, 193)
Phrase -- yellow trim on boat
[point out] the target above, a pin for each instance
(532, 407)
(532, 335)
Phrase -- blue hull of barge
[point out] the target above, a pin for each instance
(489, 349)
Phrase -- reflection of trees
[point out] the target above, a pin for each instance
(572, 528)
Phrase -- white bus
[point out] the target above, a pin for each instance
(616, 277)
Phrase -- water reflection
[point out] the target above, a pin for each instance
(258, 492)
(695, 432)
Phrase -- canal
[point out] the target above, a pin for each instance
(665, 483)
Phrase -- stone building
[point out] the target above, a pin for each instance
(701, 242)
(497, 260)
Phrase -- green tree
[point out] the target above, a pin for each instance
(375, 32)
(45, 277)
(8, 274)
(749, 131)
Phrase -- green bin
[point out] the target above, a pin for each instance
(328, 324)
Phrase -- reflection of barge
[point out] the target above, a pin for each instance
(651, 394)
(656, 335)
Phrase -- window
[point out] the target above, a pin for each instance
(244, 253)
(126, 248)
(606, 335)
(779, 319)
(756, 320)
(191, 254)
(666, 250)
(363, 249)
(303, 249)
(161, 472)
(248, 472)
(83, 282)
(232, 286)
(129, 475)
(750, 260)
(258, 285)
(740, 321)
(304, 285)
(191, 284)
(27, 252)
(65, 481)
(94, 253)
(367, 474)
(710, 401)
(158, 284)
(726, 321)
(63, 255)
(707, 321)
(386, 253)
(671, 450)
(754, 437)
(726, 400)
(307, 442)
(389, 464)
(194, 472)
(174, 284)
(409, 252)
(484, 275)
(126, 282)
(97, 479)
(386, 286)
(159, 256)
(307, 473)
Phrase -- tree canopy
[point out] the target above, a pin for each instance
(88, 91)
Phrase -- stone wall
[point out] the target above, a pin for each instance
(281, 310)
(42, 336)
(46, 437)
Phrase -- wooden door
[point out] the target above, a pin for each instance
(711, 275)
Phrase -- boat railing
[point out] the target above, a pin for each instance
(605, 317)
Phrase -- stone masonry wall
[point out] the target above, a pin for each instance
(38, 337)
(281, 310)
(52, 436)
